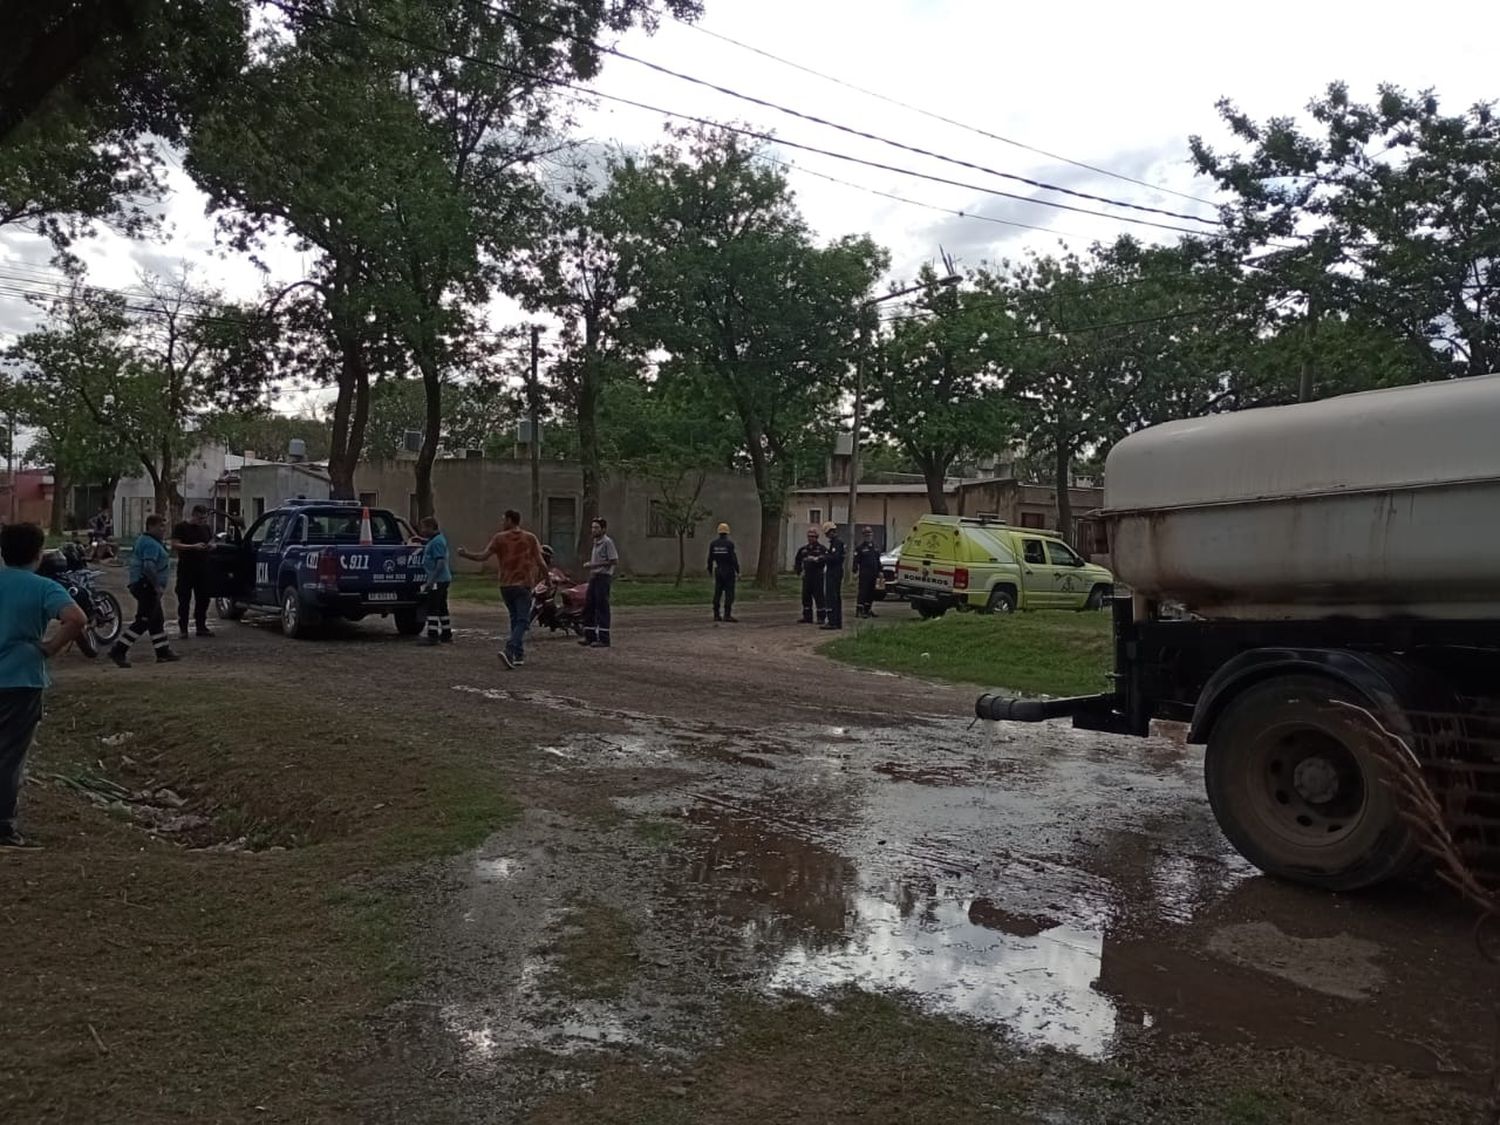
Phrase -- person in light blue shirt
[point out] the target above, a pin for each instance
(29, 603)
(437, 562)
(149, 567)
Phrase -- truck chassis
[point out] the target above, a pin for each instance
(1290, 713)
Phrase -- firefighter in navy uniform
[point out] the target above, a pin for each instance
(833, 577)
(867, 572)
(809, 564)
(724, 565)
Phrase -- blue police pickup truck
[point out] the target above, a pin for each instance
(305, 561)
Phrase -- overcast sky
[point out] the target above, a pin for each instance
(1114, 85)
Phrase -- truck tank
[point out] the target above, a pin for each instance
(1379, 504)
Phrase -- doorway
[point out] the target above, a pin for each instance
(562, 529)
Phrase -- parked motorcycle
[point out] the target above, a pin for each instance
(557, 603)
(68, 567)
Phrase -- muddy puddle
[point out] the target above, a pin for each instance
(1069, 891)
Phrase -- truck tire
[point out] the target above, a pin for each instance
(409, 622)
(927, 610)
(228, 609)
(1002, 600)
(297, 618)
(1098, 598)
(1297, 791)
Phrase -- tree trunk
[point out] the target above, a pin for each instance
(767, 561)
(1064, 500)
(935, 477)
(432, 431)
(168, 497)
(351, 412)
(681, 555)
(588, 457)
(58, 489)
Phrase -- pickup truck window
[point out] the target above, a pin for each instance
(1034, 552)
(1062, 555)
(267, 530)
(341, 527)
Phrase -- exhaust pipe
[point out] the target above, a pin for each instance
(1000, 709)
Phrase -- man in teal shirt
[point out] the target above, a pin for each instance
(28, 604)
(149, 566)
(435, 561)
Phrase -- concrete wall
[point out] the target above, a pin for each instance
(268, 485)
(471, 496)
(135, 497)
(896, 512)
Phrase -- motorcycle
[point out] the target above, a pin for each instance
(70, 570)
(557, 603)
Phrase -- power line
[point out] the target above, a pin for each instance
(740, 130)
(947, 120)
(851, 130)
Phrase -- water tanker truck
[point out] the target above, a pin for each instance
(1293, 579)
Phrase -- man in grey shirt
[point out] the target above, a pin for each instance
(601, 576)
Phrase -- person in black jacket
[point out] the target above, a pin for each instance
(724, 565)
(833, 577)
(867, 571)
(809, 564)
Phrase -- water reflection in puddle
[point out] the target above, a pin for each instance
(1040, 987)
(821, 920)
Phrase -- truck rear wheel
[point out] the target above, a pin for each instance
(1297, 790)
(409, 622)
(297, 619)
(928, 610)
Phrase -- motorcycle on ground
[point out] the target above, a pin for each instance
(68, 567)
(557, 603)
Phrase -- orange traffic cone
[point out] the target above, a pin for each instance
(366, 536)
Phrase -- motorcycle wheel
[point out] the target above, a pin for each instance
(108, 620)
(87, 644)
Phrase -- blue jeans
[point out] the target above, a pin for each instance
(518, 604)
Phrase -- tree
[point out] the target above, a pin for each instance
(146, 374)
(1093, 346)
(667, 434)
(1378, 229)
(576, 273)
(732, 283)
(937, 397)
(476, 415)
(267, 434)
(429, 180)
(90, 91)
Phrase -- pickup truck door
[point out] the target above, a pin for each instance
(263, 542)
(1038, 584)
(1071, 588)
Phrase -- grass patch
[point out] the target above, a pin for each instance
(657, 832)
(1046, 653)
(646, 591)
(164, 984)
(595, 951)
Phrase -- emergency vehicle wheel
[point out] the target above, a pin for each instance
(228, 609)
(927, 611)
(1001, 601)
(409, 622)
(296, 618)
(1297, 789)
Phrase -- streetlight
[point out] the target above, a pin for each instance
(859, 381)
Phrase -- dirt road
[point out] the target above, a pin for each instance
(717, 819)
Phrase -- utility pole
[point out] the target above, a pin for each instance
(10, 461)
(534, 410)
(859, 383)
(1309, 328)
(859, 417)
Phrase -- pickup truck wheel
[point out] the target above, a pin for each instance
(296, 619)
(1098, 598)
(409, 622)
(1001, 601)
(228, 609)
(1297, 790)
(927, 611)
